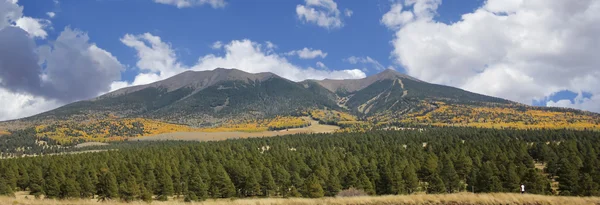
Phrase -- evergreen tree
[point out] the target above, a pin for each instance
(107, 186)
(365, 184)
(436, 185)
(267, 183)
(69, 189)
(587, 186)
(511, 179)
(86, 185)
(294, 192)
(129, 190)
(449, 176)
(146, 195)
(23, 181)
(282, 180)
(52, 185)
(567, 177)
(221, 185)
(36, 182)
(5, 188)
(197, 186)
(411, 180)
(313, 188)
(487, 180)
(165, 185)
(252, 187)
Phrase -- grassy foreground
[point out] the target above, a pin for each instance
(454, 199)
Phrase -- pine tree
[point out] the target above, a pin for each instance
(294, 192)
(487, 180)
(150, 179)
(23, 180)
(107, 186)
(252, 187)
(332, 186)
(5, 188)
(313, 188)
(86, 185)
(267, 183)
(587, 186)
(282, 180)
(536, 183)
(436, 185)
(365, 184)
(567, 177)
(511, 179)
(52, 184)
(398, 185)
(69, 189)
(145, 194)
(221, 185)
(410, 179)
(36, 182)
(165, 185)
(197, 186)
(129, 189)
(449, 176)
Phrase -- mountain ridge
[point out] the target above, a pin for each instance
(215, 97)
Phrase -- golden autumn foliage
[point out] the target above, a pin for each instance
(332, 116)
(121, 129)
(501, 117)
(3, 132)
(260, 125)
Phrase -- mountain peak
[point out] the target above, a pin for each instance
(197, 80)
(393, 74)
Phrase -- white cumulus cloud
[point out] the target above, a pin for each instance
(365, 60)
(33, 26)
(51, 14)
(323, 13)
(522, 50)
(157, 61)
(191, 3)
(308, 53)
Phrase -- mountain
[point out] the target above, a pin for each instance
(206, 98)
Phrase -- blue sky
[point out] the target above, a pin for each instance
(191, 31)
(493, 47)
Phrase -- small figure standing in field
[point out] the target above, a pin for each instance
(522, 188)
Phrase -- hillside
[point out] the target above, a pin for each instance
(231, 97)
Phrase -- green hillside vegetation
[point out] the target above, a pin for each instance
(436, 160)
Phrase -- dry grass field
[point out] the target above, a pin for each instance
(315, 127)
(453, 199)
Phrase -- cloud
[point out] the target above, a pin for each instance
(217, 45)
(51, 14)
(308, 53)
(396, 18)
(321, 65)
(77, 69)
(157, 61)
(192, 3)
(365, 60)
(348, 12)
(11, 14)
(534, 49)
(16, 105)
(34, 79)
(35, 27)
(323, 13)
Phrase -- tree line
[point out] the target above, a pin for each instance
(437, 160)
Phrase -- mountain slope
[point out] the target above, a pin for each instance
(215, 97)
